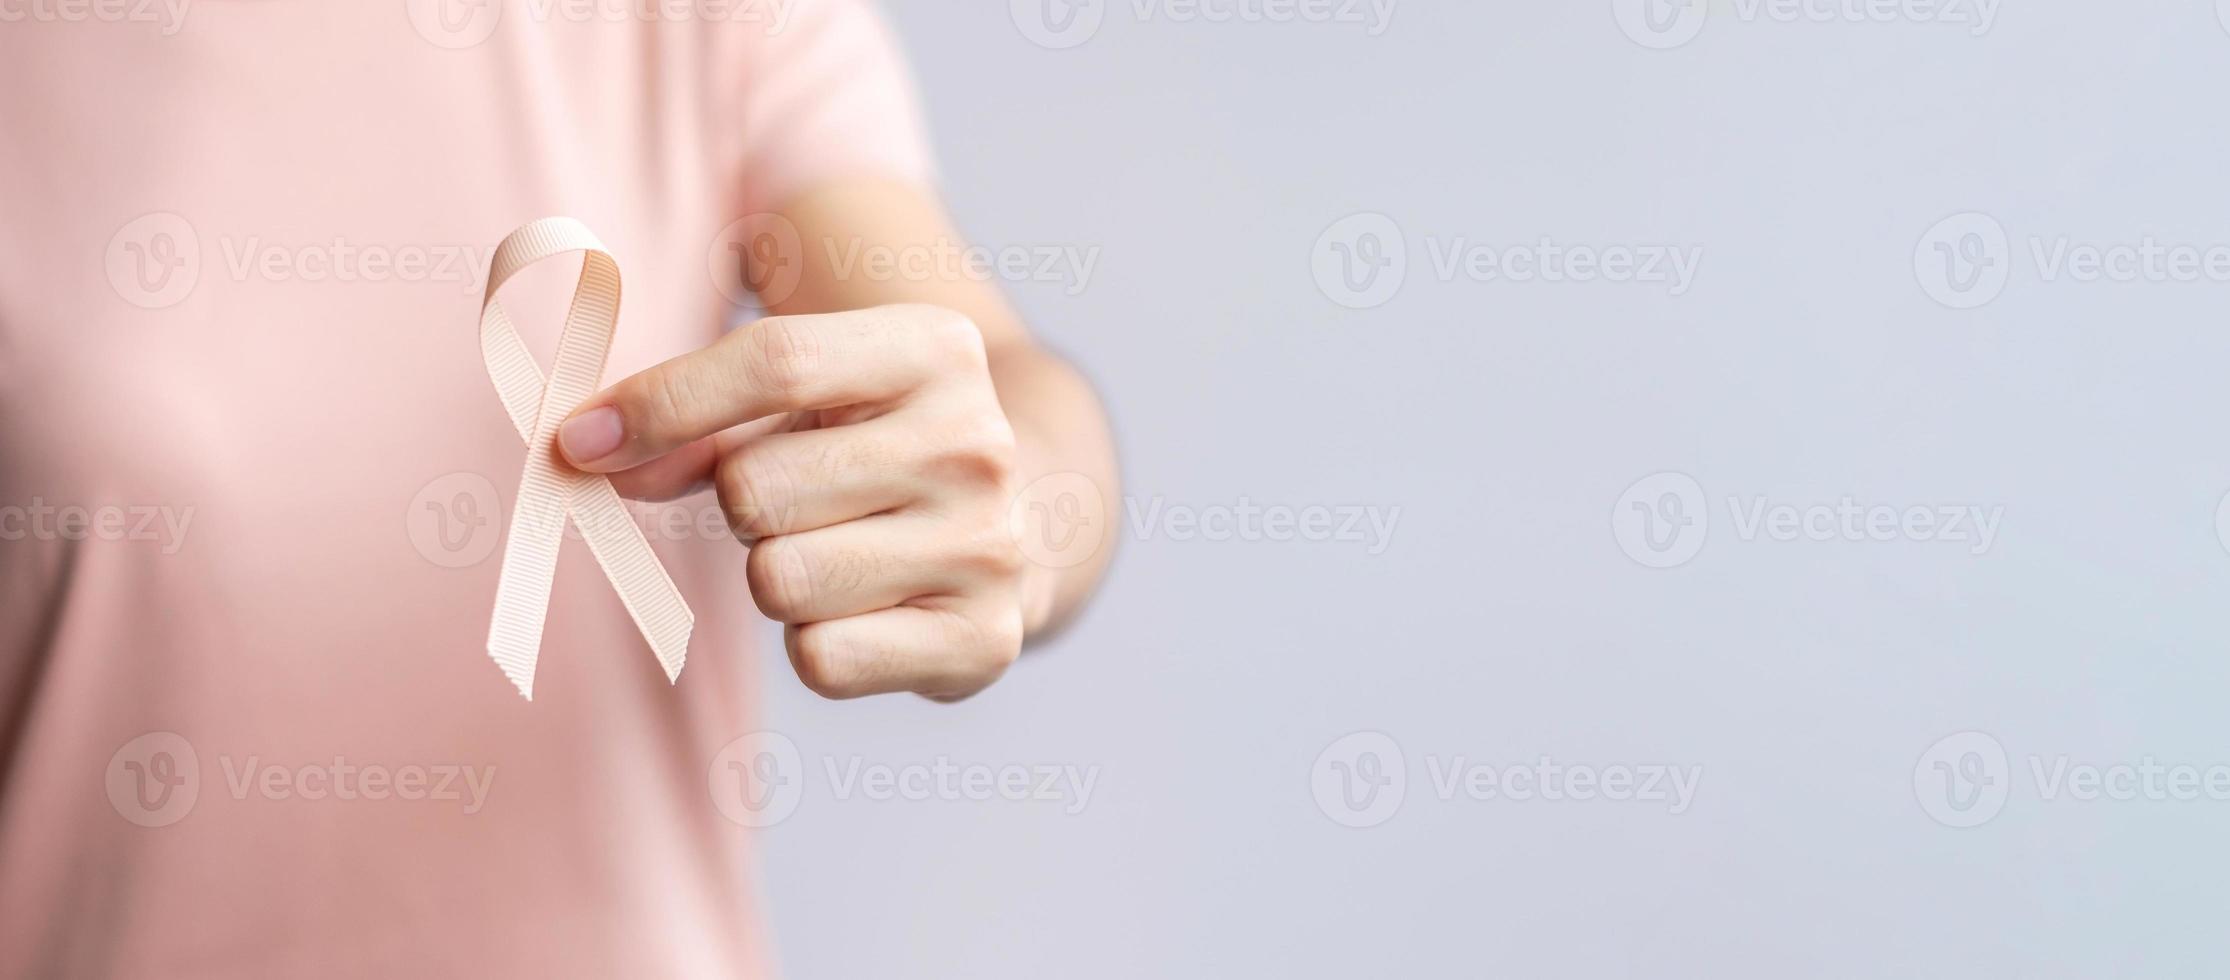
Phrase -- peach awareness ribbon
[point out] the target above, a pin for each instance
(551, 493)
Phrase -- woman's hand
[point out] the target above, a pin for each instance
(874, 500)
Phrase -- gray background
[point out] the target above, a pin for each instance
(1808, 679)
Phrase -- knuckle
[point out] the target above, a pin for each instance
(991, 552)
(823, 666)
(950, 334)
(999, 644)
(984, 645)
(1007, 557)
(829, 665)
(979, 452)
(661, 399)
(832, 458)
(781, 582)
(758, 492)
(789, 356)
(975, 545)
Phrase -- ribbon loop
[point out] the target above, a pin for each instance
(550, 494)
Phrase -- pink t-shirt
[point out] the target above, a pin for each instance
(253, 477)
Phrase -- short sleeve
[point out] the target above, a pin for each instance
(832, 97)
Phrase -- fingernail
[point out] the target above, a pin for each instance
(590, 436)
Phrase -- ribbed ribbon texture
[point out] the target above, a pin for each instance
(551, 493)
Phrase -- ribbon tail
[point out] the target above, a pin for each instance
(530, 556)
(635, 573)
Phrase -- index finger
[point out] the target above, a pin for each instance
(776, 365)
